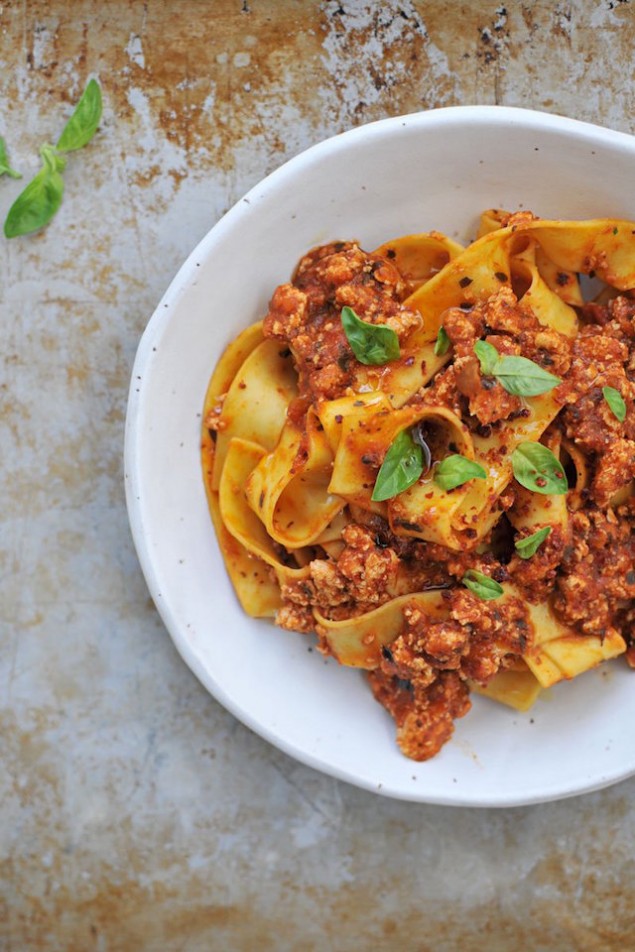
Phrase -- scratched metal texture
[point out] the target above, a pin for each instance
(135, 813)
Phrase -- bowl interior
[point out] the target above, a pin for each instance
(435, 170)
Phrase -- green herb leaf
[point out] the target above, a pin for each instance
(488, 357)
(482, 585)
(536, 468)
(402, 466)
(371, 343)
(518, 375)
(615, 401)
(83, 123)
(5, 168)
(455, 470)
(530, 544)
(36, 205)
(523, 377)
(442, 343)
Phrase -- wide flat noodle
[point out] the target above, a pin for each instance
(533, 511)
(461, 518)
(255, 407)
(546, 305)
(368, 431)
(289, 488)
(558, 652)
(419, 257)
(357, 641)
(603, 246)
(239, 518)
(257, 591)
(519, 689)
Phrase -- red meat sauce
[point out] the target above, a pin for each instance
(588, 572)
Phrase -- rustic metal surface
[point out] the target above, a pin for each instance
(136, 814)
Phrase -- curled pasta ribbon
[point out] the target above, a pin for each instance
(558, 653)
(253, 409)
(517, 688)
(461, 518)
(240, 520)
(366, 434)
(232, 359)
(419, 257)
(547, 306)
(357, 641)
(289, 488)
(605, 247)
(256, 589)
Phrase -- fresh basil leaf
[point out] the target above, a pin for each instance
(523, 377)
(83, 123)
(455, 470)
(536, 468)
(530, 544)
(518, 375)
(5, 168)
(442, 343)
(36, 205)
(615, 401)
(482, 585)
(402, 466)
(487, 355)
(371, 343)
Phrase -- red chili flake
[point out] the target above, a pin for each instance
(464, 282)
(338, 417)
(501, 276)
(409, 361)
(541, 481)
(562, 278)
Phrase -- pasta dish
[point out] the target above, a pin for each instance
(425, 455)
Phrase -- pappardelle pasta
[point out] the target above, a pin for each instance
(425, 455)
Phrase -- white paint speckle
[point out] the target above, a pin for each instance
(135, 51)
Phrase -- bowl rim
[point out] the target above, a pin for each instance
(432, 119)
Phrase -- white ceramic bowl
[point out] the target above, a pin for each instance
(433, 170)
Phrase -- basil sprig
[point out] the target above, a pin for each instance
(615, 401)
(530, 544)
(402, 466)
(455, 470)
(442, 343)
(371, 343)
(488, 357)
(518, 375)
(482, 585)
(37, 204)
(83, 123)
(536, 468)
(5, 167)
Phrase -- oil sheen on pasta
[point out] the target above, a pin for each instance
(296, 430)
